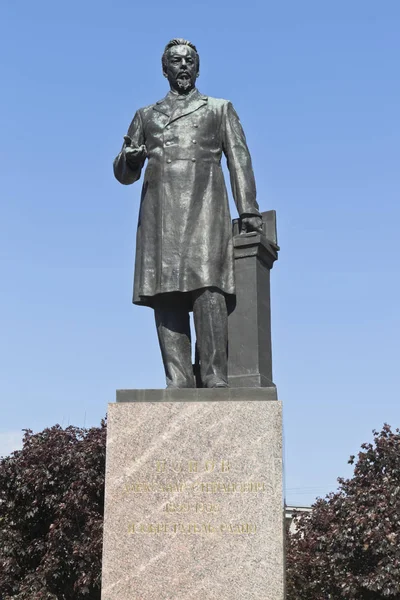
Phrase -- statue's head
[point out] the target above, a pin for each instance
(180, 64)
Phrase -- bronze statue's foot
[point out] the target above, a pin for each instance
(216, 382)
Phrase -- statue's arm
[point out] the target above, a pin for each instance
(239, 163)
(129, 162)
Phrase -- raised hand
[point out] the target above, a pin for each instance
(135, 155)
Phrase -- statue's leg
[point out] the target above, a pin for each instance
(211, 324)
(173, 328)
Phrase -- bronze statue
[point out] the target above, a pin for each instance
(184, 254)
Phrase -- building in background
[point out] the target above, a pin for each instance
(290, 518)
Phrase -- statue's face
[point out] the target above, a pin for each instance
(181, 68)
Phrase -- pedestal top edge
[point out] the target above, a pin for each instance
(266, 394)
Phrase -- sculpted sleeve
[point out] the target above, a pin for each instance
(239, 162)
(122, 171)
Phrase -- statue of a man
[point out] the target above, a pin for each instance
(184, 250)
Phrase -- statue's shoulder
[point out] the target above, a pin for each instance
(217, 102)
(145, 110)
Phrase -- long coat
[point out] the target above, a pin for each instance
(184, 236)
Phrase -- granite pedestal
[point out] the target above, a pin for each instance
(193, 502)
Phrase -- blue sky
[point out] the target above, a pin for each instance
(317, 88)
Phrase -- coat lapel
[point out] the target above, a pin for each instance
(175, 108)
(165, 106)
(188, 105)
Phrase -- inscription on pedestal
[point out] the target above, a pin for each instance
(183, 498)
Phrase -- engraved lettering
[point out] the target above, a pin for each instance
(225, 466)
(177, 468)
(179, 508)
(191, 528)
(238, 528)
(209, 466)
(172, 488)
(138, 488)
(206, 507)
(160, 465)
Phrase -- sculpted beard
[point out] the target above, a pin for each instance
(184, 81)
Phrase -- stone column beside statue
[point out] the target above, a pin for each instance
(194, 476)
(250, 349)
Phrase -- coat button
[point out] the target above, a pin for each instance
(169, 161)
(194, 142)
(193, 160)
(195, 125)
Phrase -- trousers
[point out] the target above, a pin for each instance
(211, 325)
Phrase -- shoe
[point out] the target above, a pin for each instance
(216, 382)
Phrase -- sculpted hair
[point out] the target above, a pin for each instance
(178, 42)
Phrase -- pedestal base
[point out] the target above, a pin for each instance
(193, 505)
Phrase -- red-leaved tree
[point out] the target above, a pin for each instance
(51, 515)
(348, 547)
